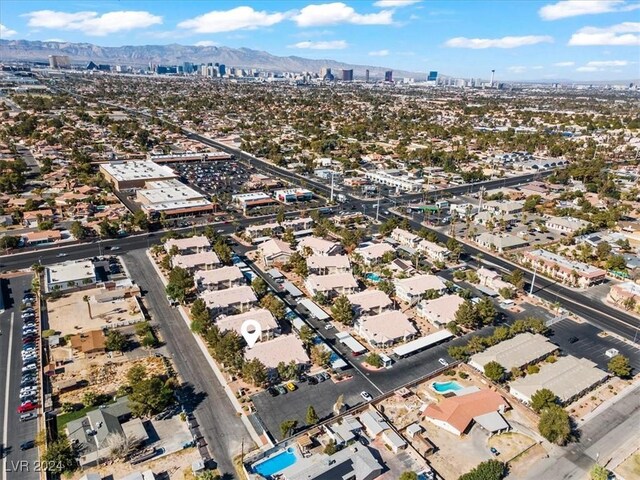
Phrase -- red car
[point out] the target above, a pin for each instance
(27, 407)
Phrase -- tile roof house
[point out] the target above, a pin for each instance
(331, 285)
(370, 302)
(195, 244)
(285, 348)
(410, 290)
(328, 265)
(372, 254)
(319, 246)
(268, 325)
(219, 278)
(457, 414)
(440, 311)
(196, 261)
(89, 344)
(386, 328)
(275, 251)
(230, 300)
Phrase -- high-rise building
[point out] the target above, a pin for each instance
(325, 74)
(432, 77)
(388, 76)
(366, 75)
(59, 61)
(187, 68)
(347, 75)
(222, 69)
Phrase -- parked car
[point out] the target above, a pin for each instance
(366, 396)
(273, 392)
(443, 362)
(494, 451)
(27, 407)
(291, 386)
(573, 339)
(313, 380)
(281, 390)
(27, 416)
(27, 445)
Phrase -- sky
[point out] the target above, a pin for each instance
(585, 40)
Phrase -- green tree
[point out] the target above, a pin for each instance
(254, 372)
(274, 305)
(598, 472)
(180, 283)
(531, 202)
(136, 374)
(289, 236)
(543, 399)
(312, 416)
(287, 427)
(141, 220)
(494, 371)
(554, 425)
(516, 278)
(223, 251)
(306, 335)
(330, 448)
(616, 262)
(259, 286)
(59, 457)
(280, 217)
(90, 398)
(619, 366)
(9, 241)
(342, 310)
(320, 356)
(603, 250)
(487, 470)
(374, 360)
(486, 311)
(77, 230)
(409, 476)
(387, 287)
(150, 396)
(467, 315)
(115, 341)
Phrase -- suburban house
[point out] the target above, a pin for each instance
(433, 251)
(285, 348)
(370, 302)
(386, 328)
(40, 237)
(318, 246)
(196, 261)
(275, 251)
(440, 311)
(219, 278)
(405, 238)
(188, 245)
(568, 271)
(269, 327)
(373, 254)
(88, 344)
(331, 285)
(328, 265)
(568, 225)
(492, 279)
(34, 217)
(458, 413)
(410, 290)
(500, 242)
(517, 352)
(569, 378)
(230, 300)
(622, 292)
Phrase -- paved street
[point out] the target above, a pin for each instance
(222, 429)
(13, 432)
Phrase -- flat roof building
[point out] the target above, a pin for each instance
(386, 328)
(569, 378)
(370, 302)
(330, 285)
(286, 348)
(173, 199)
(219, 278)
(517, 352)
(268, 324)
(568, 271)
(230, 300)
(134, 174)
(64, 276)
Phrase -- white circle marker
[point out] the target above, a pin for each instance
(251, 331)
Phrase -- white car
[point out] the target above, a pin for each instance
(443, 362)
(366, 396)
(60, 255)
(115, 248)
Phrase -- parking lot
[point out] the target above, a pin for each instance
(214, 178)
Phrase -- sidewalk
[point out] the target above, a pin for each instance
(608, 403)
(205, 351)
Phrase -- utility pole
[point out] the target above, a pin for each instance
(331, 198)
(378, 208)
(533, 280)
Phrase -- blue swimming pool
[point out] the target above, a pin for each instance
(277, 463)
(444, 387)
(374, 277)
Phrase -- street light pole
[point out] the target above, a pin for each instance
(533, 280)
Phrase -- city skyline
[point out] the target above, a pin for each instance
(537, 40)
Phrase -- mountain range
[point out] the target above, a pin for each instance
(174, 54)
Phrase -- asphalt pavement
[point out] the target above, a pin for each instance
(223, 430)
(16, 464)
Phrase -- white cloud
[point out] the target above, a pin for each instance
(6, 32)
(328, 45)
(504, 42)
(335, 13)
(517, 69)
(238, 18)
(395, 3)
(608, 63)
(90, 23)
(587, 69)
(205, 43)
(379, 53)
(622, 34)
(574, 8)
(564, 64)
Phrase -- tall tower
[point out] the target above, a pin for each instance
(366, 76)
(493, 72)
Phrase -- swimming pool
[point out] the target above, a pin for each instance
(277, 463)
(444, 387)
(374, 277)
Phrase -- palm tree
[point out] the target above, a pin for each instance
(86, 300)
